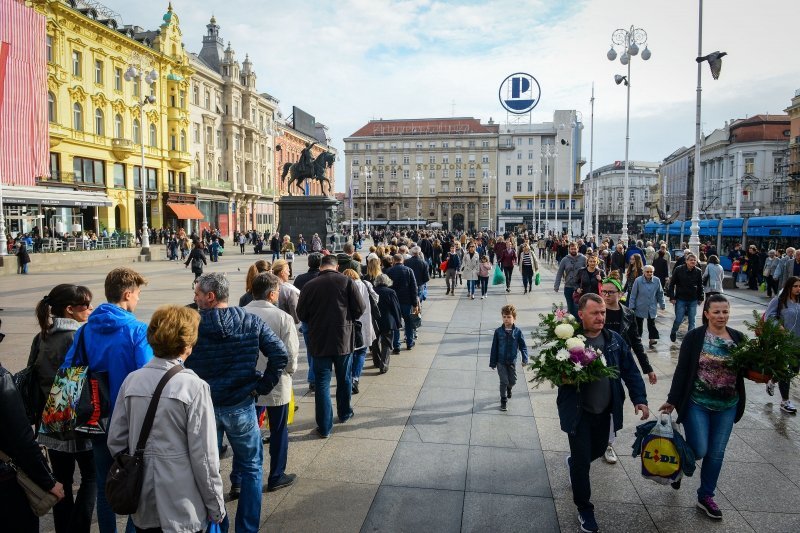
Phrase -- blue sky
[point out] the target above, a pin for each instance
(348, 61)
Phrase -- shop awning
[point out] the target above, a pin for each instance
(14, 195)
(186, 211)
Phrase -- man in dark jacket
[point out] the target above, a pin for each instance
(618, 262)
(585, 414)
(300, 281)
(426, 246)
(420, 270)
(685, 291)
(388, 322)
(228, 345)
(330, 304)
(405, 285)
(346, 258)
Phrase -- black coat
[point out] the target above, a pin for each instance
(196, 253)
(389, 307)
(630, 334)
(686, 372)
(587, 281)
(419, 268)
(404, 284)
(686, 284)
(329, 304)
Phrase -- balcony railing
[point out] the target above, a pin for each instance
(214, 184)
(57, 176)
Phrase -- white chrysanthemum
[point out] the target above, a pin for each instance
(600, 358)
(564, 331)
(577, 366)
(562, 355)
(549, 346)
(575, 342)
(581, 337)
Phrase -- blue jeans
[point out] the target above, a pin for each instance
(106, 519)
(240, 424)
(471, 286)
(684, 308)
(358, 363)
(571, 306)
(484, 280)
(707, 432)
(322, 398)
(304, 331)
(278, 442)
(405, 310)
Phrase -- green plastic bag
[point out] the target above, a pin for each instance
(499, 278)
(763, 286)
(537, 280)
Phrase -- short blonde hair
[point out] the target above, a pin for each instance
(172, 328)
(279, 265)
(352, 274)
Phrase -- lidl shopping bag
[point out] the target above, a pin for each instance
(499, 278)
(661, 458)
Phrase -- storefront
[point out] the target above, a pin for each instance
(60, 210)
(216, 212)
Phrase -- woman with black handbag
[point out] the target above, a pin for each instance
(17, 441)
(197, 258)
(60, 314)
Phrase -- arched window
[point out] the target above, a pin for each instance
(118, 127)
(137, 137)
(183, 140)
(153, 136)
(77, 117)
(99, 118)
(51, 107)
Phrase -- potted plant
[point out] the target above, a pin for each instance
(771, 354)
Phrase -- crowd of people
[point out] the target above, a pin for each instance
(238, 362)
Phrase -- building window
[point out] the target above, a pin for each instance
(518, 204)
(393, 160)
(485, 144)
(508, 170)
(519, 170)
(88, 170)
(393, 174)
(508, 186)
(367, 146)
(445, 159)
(406, 160)
(749, 165)
(519, 186)
(530, 170)
(380, 159)
(137, 137)
(119, 175)
(98, 122)
(519, 141)
(485, 189)
(196, 95)
(777, 166)
(572, 203)
(519, 155)
(406, 174)
(55, 164)
(182, 99)
(485, 159)
(197, 133)
(530, 140)
(77, 117)
(508, 204)
(153, 136)
(51, 107)
(562, 204)
(98, 72)
(530, 186)
(117, 79)
(458, 174)
(49, 44)
(445, 144)
(76, 63)
(530, 154)
(207, 100)
(135, 88)
(530, 205)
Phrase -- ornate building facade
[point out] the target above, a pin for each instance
(96, 126)
(232, 134)
(448, 163)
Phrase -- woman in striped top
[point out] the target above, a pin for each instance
(529, 265)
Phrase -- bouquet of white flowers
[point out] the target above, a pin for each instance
(563, 357)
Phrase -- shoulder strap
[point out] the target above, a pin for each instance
(7, 460)
(147, 425)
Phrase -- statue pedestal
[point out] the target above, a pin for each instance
(308, 215)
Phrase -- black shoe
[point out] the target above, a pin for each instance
(409, 346)
(396, 351)
(322, 435)
(265, 439)
(503, 405)
(676, 484)
(355, 387)
(673, 336)
(286, 480)
(235, 492)
(311, 387)
(508, 392)
(384, 370)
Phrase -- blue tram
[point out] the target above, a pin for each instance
(770, 232)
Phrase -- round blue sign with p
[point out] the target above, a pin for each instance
(519, 93)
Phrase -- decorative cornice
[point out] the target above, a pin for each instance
(99, 100)
(119, 106)
(152, 116)
(77, 93)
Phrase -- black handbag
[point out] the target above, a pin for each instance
(125, 478)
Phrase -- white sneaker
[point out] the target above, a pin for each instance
(610, 456)
(788, 407)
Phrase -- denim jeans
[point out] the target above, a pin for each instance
(508, 271)
(471, 286)
(278, 442)
(358, 363)
(73, 514)
(240, 424)
(322, 398)
(707, 432)
(405, 310)
(571, 305)
(684, 308)
(484, 280)
(106, 519)
(588, 443)
(527, 277)
(304, 331)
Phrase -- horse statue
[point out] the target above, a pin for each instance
(298, 173)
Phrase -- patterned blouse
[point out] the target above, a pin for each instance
(715, 385)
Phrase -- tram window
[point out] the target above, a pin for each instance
(728, 243)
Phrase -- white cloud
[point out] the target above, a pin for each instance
(347, 62)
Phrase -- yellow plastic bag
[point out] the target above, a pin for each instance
(291, 410)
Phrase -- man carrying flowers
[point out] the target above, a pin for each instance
(585, 409)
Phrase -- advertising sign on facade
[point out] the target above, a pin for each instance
(519, 93)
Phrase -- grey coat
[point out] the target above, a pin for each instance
(568, 268)
(281, 323)
(182, 485)
(470, 266)
(646, 296)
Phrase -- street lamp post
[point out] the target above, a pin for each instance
(367, 178)
(488, 179)
(418, 179)
(629, 41)
(548, 155)
(694, 238)
(137, 64)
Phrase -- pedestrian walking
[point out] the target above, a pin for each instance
(182, 486)
(507, 341)
(470, 267)
(507, 259)
(405, 285)
(714, 277)
(197, 258)
(661, 265)
(388, 322)
(484, 270)
(585, 413)
(529, 266)
(365, 334)
(23, 259)
(453, 266)
(329, 304)
(708, 395)
(242, 242)
(685, 292)
(568, 269)
(770, 265)
(645, 299)
(786, 309)
(287, 249)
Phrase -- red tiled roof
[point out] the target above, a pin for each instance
(758, 119)
(425, 126)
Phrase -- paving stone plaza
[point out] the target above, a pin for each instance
(428, 448)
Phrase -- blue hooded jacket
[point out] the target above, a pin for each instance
(116, 343)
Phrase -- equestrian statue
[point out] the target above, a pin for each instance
(308, 168)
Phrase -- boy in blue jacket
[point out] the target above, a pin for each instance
(507, 340)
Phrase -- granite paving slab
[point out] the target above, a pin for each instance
(428, 465)
(412, 510)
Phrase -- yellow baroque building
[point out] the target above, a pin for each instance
(95, 110)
